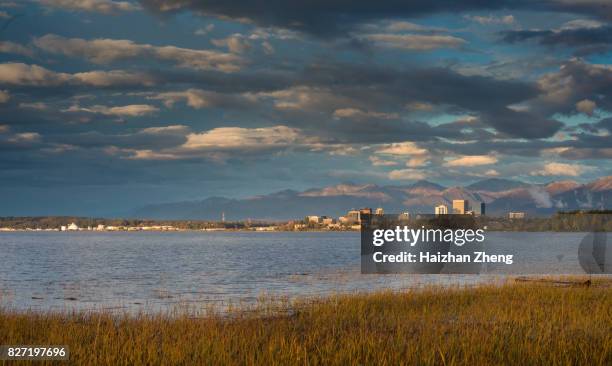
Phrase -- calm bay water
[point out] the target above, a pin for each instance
(155, 271)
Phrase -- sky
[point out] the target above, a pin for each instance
(108, 105)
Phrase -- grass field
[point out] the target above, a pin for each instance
(519, 324)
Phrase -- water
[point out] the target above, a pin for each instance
(156, 271)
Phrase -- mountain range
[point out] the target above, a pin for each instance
(500, 196)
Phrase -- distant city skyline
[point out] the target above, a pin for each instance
(107, 106)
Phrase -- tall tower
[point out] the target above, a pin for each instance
(223, 216)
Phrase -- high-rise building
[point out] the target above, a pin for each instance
(380, 211)
(460, 206)
(479, 209)
(441, 210)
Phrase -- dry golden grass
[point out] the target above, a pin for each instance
(515, 324)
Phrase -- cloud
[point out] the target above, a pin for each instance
(18, 141)
(133, 110)
(419, 42)
(143, 154)
(152, 138)
(113, 78)
(417, 161)
(333, 18)
(407, 174)
(204, 31)
(218, 144)
(306, 98)
(172, 129)
(15, 48)
(100, 51)
(587, 36)
(372, 88)
(581, 24)
(356, 113)
(104, 51)
(474, 160)
(25, 137)
(521, 124)
(586, 106)
(587, 153)
(420, 106)
(491, 19)
(575, 81)
(402, 149)
(242, 138)
(23, 74)
(418, 156)
(33, 75)
(39, 106)
(376, 161)
(235, 43)
(561, 169)
(198, 99)
(4, 96)
(404, 26)
(99, 6)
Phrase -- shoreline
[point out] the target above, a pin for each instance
(259, 231)
(189, 307)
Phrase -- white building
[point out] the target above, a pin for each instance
(441, 210)
(327, 220)
(312, 219)
(404, 216)
(73, 227)
(516, 215)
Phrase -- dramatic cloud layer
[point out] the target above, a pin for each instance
(323, 18)
(118, 103)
